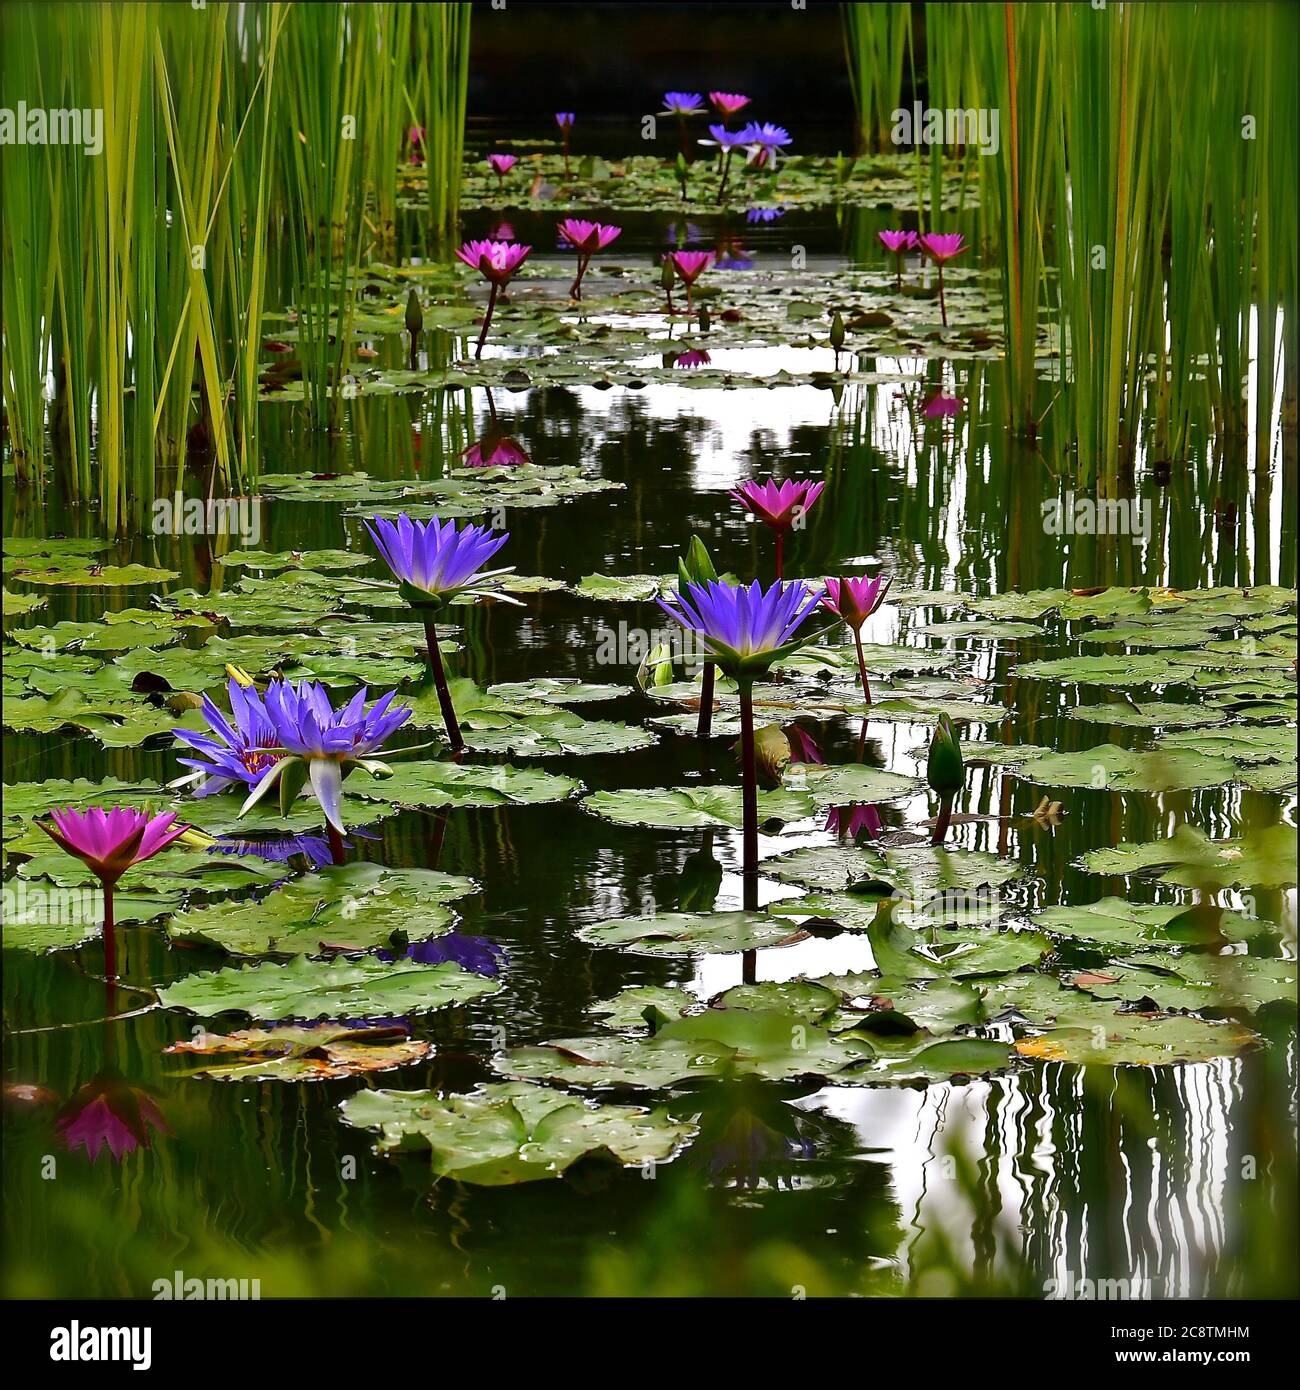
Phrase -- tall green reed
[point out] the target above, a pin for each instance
(876, 39)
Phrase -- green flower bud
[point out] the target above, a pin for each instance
(696, 566)
(837, 331)
(414, 314)
(944, 769)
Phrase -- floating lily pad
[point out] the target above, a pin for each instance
(1109, 767)
(683, 808)
(433, 784)
(313, 989)
(690, 933)
(1263, 858)
(345, 907)
(625, 1011)
(1147, 716)
(322, 1052)
(513, 1132)
(1113, 921)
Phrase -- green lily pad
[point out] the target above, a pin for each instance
(683, 808)
(625, 1011)
(434, 784)
(314, 989)
(348, 907)
(690, 933)
(1154, 715)
(513, 1132)
(1109, 767)
(1264, 858)
(1113, 921)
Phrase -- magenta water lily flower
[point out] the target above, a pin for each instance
(779, 506)
(854, 601)
(586, 238)
(943, 247)
(496, 261)
(501, 166)
(109, 843)
(433, 562)
(899, 243)
(690, 265)
(745, 629)
(727, 104)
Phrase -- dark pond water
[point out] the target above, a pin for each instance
(1052, 1171)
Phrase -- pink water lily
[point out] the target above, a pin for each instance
(943, 247)
(727, 104)
(496, 261)
(109, 843)
(854, 601)
(690, 265)
(900, 243)
(586, 238)
(502, 163)
(779, 506)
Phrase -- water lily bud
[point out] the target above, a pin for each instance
(682, 171)
(699, 883)
(667, 275)
(414, 314)
(696, 566)
(837, 331)
(944, 769)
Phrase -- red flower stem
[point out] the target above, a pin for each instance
(726, 169)
(780, 554)
(862, 665)
(749, 783)
(898, 271)
(110, 936)
(337, 855)
(705, 725)
(444, 695)
(943, 308)
(566, 154)
(487, 319)
(681, 126)
(943, 819)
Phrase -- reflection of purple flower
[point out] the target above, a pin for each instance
(764, 214)
(477, 954)
(281, 848)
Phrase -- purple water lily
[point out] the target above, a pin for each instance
(239, 749)
(745, 629)
(764, 139)
(564, 119)
(681, 105)
(433, 562)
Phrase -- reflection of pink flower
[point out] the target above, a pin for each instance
(802, 746)
(940, 405)
(415, 138)
(502, 231)
(854, 821)
(107, 1113)
(696, 357)
(495, 450)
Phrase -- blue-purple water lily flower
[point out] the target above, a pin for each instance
(239, 749)
(434, 560)
(744, 627)
(301, 741)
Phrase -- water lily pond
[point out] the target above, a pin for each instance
(501, 893)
